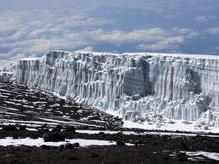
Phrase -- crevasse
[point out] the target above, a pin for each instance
(172, 86)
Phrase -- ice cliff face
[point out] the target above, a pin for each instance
(151, 85)
(7, 77)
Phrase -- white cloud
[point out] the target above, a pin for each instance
(175, 38)
(120, 37)
(153, 39)
(188, 33)
(31, 33)
(87, 49)
(157, 6)
(213, 31)
(171, 43)
(205, 19)
(46, 20)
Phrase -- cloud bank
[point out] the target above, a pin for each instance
(31, 28)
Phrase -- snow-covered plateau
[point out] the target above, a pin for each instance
(155, 88)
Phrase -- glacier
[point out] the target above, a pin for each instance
(139, 86)
(7, 77)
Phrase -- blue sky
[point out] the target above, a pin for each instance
(32, 27)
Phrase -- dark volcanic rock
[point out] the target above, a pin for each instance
(71, 146)
(45, 147)
(22, 127)
(54, 137)
(102, 134)
(8, 127)
(57, 128)
(70, 129)
(120, 143)
(19, 103)
(182, 157)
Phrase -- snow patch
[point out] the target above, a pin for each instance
(210, 155)
(178, 125)
(9, 141)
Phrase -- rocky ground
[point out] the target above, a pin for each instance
(19, 104)
(145, 149)
(35, 114)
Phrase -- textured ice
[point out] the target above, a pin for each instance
(138, 86)
(7, 77)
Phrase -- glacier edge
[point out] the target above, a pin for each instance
(142, 86)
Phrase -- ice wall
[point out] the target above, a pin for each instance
(172, 86)
(7, 77)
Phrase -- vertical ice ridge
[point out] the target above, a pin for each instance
(174, 87)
